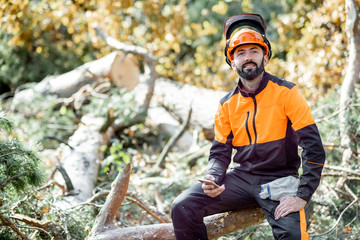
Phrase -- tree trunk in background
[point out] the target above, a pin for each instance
(352, 76)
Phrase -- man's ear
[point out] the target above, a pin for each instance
(233, 65)
(266, 60)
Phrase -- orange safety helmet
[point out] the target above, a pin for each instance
(233, 25)
(245, 36)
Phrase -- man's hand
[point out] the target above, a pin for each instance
(211, 190)
(289, 204)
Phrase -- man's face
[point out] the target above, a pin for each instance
(249, 61)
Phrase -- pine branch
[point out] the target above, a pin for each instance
(10, 179)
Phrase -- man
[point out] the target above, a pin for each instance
(264, 119)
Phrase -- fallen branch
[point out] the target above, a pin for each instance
(337, 174)
(55, 183)
(192, 157)
(39, 229)
(337, 221)
(160, 162)
(135, 198)
(345, 170)
(104, 221)
(10, 224)
(69, 186)
(45, 225)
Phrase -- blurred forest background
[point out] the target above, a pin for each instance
(179, 42)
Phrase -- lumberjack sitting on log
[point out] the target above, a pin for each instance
(265, 118)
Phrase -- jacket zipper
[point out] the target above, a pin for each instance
(255, 111)
(247, 126)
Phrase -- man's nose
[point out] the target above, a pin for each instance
(248, 57)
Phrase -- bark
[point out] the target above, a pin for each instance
(217, 225)
(352, 76)
(46, 225)
(104, 220)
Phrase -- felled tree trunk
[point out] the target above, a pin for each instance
(217, 225)
(119, 67)
(180, 98)
(81, 160)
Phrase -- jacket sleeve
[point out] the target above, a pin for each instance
(313, 154)
(221, 149)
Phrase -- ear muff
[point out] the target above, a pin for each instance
(268, 44)
(225, 52)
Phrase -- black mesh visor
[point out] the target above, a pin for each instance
(253, 20)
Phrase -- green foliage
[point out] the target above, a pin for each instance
(35, 43)
(42, 120)
(5, 124)
(19, 166)
(19, 65)
(117, 158)
(20, 170)
(120, 100)
(41, 205)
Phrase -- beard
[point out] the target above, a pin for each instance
(250, 75)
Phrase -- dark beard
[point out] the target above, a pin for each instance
(251, 74)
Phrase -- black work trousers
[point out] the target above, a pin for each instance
(241, 191)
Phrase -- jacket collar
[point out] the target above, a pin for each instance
(262, 85)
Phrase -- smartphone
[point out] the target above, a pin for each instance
(208, 182)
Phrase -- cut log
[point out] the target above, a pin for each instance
(217, 225)
(121, 68)
(81, 162)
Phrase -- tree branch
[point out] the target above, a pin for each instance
(349, 171)
(135, 198)
(160, 162)
(337, 221)
(104, 221)
(46, 225)
(10, 224)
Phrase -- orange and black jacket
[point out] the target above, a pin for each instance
(266, 128)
